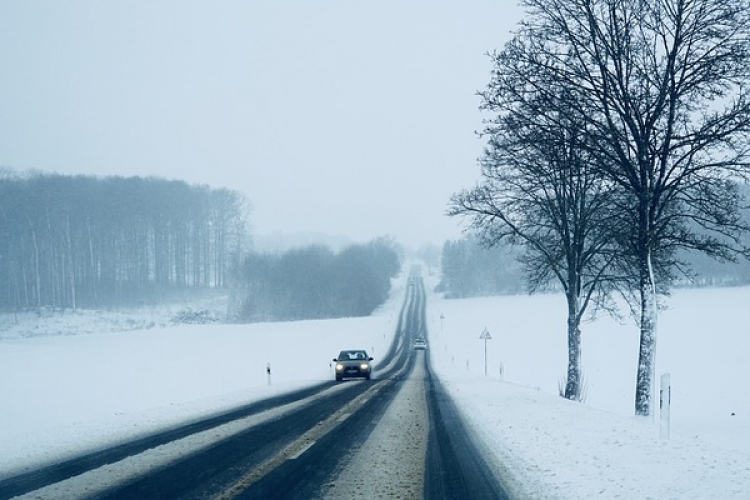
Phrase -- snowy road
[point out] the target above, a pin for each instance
(419, 449)
(391, 463)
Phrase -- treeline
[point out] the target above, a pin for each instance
(314, 282)
(82, 241)
(701, 270)
(469, 269)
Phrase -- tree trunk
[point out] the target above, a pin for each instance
(37, 277)
(71, 268)
(573, 385)
(647, 353)
(94, 281)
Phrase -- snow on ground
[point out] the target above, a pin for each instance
(565, 450)
(81, 384)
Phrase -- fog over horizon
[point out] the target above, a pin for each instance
(344, 118)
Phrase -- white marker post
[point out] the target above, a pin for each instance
(485, 336)
(665, 400)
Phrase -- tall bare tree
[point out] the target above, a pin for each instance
(663, 85)
(539, 191)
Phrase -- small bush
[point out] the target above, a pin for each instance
(584, 389)
(191, 317)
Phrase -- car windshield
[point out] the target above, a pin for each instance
(352, 355)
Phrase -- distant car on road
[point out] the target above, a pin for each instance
(353, 364)
(420, 344)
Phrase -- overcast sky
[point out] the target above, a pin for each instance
(344, 117)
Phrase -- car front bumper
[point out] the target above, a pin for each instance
(353, 371)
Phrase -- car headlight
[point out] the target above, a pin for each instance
(339, 367)
(364, 366)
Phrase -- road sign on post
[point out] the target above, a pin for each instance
(485, 336)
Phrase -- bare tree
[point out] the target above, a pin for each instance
(663, 86)
(538, 191)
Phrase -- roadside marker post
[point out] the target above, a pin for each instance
(485, 336)
(665, 401)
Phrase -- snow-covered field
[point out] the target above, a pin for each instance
(565, 450)
(75, 382)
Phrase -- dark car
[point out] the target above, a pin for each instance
(353, 364)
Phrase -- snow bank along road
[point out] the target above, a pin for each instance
(398, 436)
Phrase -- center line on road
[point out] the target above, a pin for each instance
(302, 450)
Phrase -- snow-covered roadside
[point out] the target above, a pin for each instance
(557, 449)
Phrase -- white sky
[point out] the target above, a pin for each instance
(344, 117)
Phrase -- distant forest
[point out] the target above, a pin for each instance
(314, 282)
(69, 242)
(469, 269)
(82, 241)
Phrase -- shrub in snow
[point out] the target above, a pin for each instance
(200, 317)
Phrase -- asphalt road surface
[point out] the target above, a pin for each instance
(396, 436)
